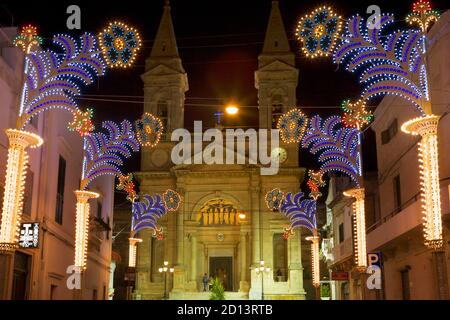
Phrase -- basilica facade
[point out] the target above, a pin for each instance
(222, 228)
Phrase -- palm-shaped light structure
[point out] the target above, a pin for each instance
(336, 145)
(339, 150)
(52, 80)
(396, 64)
(147, 213)
(301, 212)
(103, 155)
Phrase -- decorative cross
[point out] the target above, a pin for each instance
(218, 114)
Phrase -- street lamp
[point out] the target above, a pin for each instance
(231, 109)
(166, 270)
(262, 269)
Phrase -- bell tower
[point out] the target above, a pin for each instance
(165, 85)
(276, 80)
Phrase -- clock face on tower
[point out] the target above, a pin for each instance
(280, 154)
(159, 157)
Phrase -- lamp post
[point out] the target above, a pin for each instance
(262, 269)
(166, 270)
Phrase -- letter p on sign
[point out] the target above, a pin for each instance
(374, 259)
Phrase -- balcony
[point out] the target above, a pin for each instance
(343, 250)
(395, 224)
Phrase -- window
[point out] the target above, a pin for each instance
(280, 270)
(397, 193)
(341, 232)
(60, 190)
(388, 134)
(162, 113)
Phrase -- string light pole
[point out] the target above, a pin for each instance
(166, 270)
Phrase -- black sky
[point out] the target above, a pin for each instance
(219, 42)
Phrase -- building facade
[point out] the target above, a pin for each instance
(53, 175)
(408, 271)
(223, 228)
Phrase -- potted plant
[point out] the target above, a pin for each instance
(217, 290)
(325, 292)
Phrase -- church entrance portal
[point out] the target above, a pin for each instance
(222, 268)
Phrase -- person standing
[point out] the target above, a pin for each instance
(205, 282)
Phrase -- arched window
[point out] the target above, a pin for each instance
(162, 113)
(280, 258)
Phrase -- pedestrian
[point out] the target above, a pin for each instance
(205, 282)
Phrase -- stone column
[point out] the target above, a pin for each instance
(193, 262)
(179, 277)
(256, 254)
(256, 285)
(243, 284)
(295, 266)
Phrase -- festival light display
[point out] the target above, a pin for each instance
(292, 126)
(28, 40)
(302, 213)
(146, 214)
(16, 167)
(119, 44)
(315, 182)
(82, 122)
(104, 153)
(318, 32)
(126, 184)
(82, 227)
(149, 130)
(359, 227)
(53, 79)
(171, 200)
(274, 199)
(340, 150)
(132, 253)
(356, 115)
(396, 64)
(390, 64)
(337, 146)
(426, 127)
(315, 259)
(423, 15)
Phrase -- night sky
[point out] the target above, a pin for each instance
(219, 42)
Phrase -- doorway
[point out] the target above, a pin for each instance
(222, 268)
(22, 263)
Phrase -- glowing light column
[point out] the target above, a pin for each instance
(82, 227)
(132, 251)
(19, 141)
(426, 127)
(315, 260)
(359, 229)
